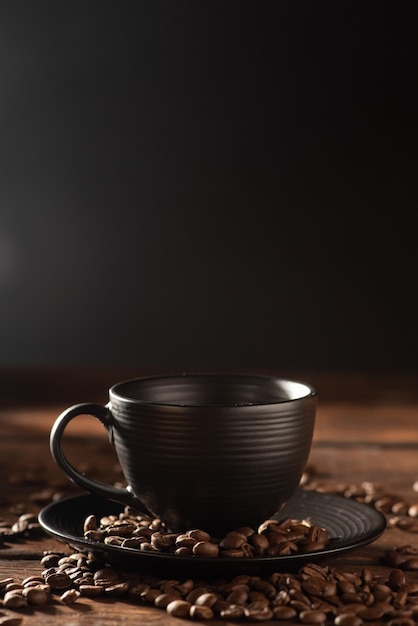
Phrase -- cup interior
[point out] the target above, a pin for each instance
(225, 390)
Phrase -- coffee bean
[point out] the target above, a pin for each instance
(312, 617)
(400, 508)
(132, 542)
(233, 541)
(206, 599)
(413, 510)
(284, 613)
(94, 535)
(184, 541)
(6, 581)
(116, 590)
(396, 579)
(57, 580)
(258, 614)
(238, 595)
(90, 523)
(179, 608)
(90, 590)
(371, 613)
(163, 599)
(70, 596)
(232, 612)
(201, 612)
(259, 542)
(198, 535)
(195, 593)
(35, 595)
(13, 586)
(205, 548)
(14, 600)
(348, 619)
(106, 576)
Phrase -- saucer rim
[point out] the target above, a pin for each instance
(85, 502)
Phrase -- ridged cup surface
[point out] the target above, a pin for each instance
(212, 451)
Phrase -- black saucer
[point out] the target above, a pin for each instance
(350, 525)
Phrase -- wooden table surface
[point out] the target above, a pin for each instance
(366, 431)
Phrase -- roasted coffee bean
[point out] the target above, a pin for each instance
(232, 612)
(35, 595)
(163, 599)
(396, 579)
(198, 535)
(183, 551)
(348, 619)
(14, 600)
(91, 590)
(400, 508)
(371, 613)
(70, 596)
(206, 548)
(233, 541)
(94, 535)
(284, 613)
(90, 523)
(179, 608)
(6, 581)
(201, 612)
(195, 593)
(238, 595)
(32, 579)
(259, 542)
(116, 590)
(257, 613)
(14, 586)
(150, 594)
(58, 580)
(106, 576)
(312, 617)
(206, 599)
(184, 541)
(124, 529)
(162, 541)
(114, 540)
(413, 510)
(132, 542)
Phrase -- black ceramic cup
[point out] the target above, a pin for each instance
(209, 451)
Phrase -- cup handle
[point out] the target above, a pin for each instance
(102, 413)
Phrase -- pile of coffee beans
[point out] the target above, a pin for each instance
(399, 511)
(317, 594)
(26, 525)
(134, 530)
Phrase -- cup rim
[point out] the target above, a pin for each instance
(115, 391)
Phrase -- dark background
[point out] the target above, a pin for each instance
(208, 184)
